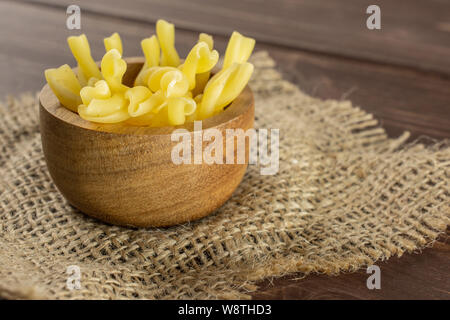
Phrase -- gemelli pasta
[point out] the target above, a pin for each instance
(166, 92)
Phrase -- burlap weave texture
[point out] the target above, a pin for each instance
(345, 196)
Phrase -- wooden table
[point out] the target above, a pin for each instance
(400, 73)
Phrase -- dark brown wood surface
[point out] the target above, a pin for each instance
(329, 26)
(400, 73)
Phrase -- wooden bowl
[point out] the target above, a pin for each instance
(124, 174)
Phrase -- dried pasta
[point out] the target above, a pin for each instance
(165, 92)
(223, 88)
(238, 50)
(166, 36)
(202, 78)
(65, 86)
(113, 42)
(151, 49)
(81, 51)
(113, 69)
(99, 90)
(110, 110)
(199, 60)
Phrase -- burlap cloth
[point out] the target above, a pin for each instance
(345, 196)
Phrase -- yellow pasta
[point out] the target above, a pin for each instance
(155, 111)
(154, 77)
(113, 69)
(160, 119)
(82, 54)
(92, 81)
(111, 110)
(171, 81)
(157, 118)
(144, 120)
(166, 37)
(152, 52)
(179, 108)
(202, 78)
(65, 86)
(116, 117)
(136, 96)
(113, 42)
(100, 90)
(189, 95)
(236, 82)
(238, 50)
(194, 116)
(174, 84)
(198, 98)
(223, 88)
(165, 92)
(199, 60)
(152, 103)
(204, 37)
(82, 78)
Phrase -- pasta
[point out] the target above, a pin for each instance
(99, 90)
(110, 110)
(113, 69)
(170, 80)
(65, 86)
(166, 36)
(179, 108)
(166, 91)
(239, 76)
(136, 96)
(81, 51)
(92, 81)
(150, 47)
(151, 104)
(223, 88)
(204, 37)
(238, 50)
(113, 42)
(199, 60)
(202, 78)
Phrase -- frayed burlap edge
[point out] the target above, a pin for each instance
(345, 196)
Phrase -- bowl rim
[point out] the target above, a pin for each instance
(49, 102)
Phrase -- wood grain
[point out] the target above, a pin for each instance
(33, 38)
(400, 98)
(418, 275)
(413, 33)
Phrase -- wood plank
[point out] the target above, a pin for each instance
(33, 39)
(414, 33)
(400, 98)
(421, 275)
